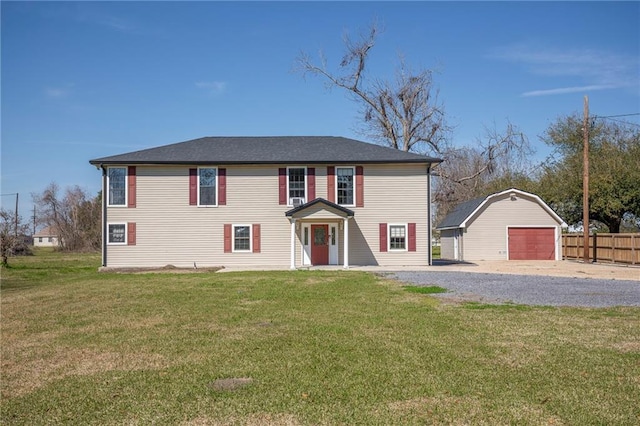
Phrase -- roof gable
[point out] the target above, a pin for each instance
(460, 216)
(267, 150)
(335, 208)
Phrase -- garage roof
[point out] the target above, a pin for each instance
(460, 215)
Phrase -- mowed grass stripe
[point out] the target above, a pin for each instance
(309, 347)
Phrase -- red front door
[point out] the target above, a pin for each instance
(319, 244)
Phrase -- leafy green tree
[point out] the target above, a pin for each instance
(614, 171)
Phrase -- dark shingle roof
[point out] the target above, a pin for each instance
(267, 150)
(460, 213)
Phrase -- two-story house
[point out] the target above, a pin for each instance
(266, 202)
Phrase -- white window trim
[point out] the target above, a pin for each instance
(216, 187)
(306, 184)
(233, 238)
(406, 237)
(126, 186)
(354, 185)
(126, 230)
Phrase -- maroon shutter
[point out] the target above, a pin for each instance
(359, 186)
(282, 185)
(311, 184)
(131, 183)
(383, 237)
(131, 233)
(193, 187)
(412, 236)
(227, 238)
(331, 184)
(256, 238)
(222, 187)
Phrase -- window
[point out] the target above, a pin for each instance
(296, 182)
(50, 239)
(39, 239)
(345, 187)
(117, 233)
(117, 182)
(207, 186)
(397, 237)
(241, 238)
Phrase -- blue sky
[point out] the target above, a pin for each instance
(91, 79)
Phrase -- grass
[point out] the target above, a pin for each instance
(297, 348)
(430, 289)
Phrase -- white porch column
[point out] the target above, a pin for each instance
(346, 243)
(293, 243)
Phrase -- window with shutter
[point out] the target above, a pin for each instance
(131, 187)
(131, 233)
(222, 187)
(412, 236)
(117, 186)
(331, 184)
(383, 237)
(311, 184)
(282, 185)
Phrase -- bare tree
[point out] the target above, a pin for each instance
(12, 235)
(404, 114)
(499, 160)
(76, 216)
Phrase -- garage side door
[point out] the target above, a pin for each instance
(531, 244)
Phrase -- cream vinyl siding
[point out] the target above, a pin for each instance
(485, 237)
(171, 232)
(392, 194)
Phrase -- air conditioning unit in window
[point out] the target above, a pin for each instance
(297, 201)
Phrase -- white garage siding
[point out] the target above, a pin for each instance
(486, 238)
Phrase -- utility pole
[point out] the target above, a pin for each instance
(585, 181)
(16, 230)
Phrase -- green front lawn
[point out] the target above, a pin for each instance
(304, 347)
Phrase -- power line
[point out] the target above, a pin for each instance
(615, 116)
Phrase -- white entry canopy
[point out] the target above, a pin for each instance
(320, 210)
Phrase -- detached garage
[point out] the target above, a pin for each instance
(511, 224)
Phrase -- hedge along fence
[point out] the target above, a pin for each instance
(614, 248)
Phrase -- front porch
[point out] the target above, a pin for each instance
(318, 226)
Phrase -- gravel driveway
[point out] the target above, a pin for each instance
(527, 289)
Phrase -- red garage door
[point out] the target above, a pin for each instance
(532, 244)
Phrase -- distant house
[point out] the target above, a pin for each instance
(46, 237)
(511, 224)
(284, 202)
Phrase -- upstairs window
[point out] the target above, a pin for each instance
(296, 184)
(345, 185)
(207, 186)
(117, 186)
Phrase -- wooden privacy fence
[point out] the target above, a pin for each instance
(614, 248)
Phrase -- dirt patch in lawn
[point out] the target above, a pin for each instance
(230, 384)
(171, 269)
